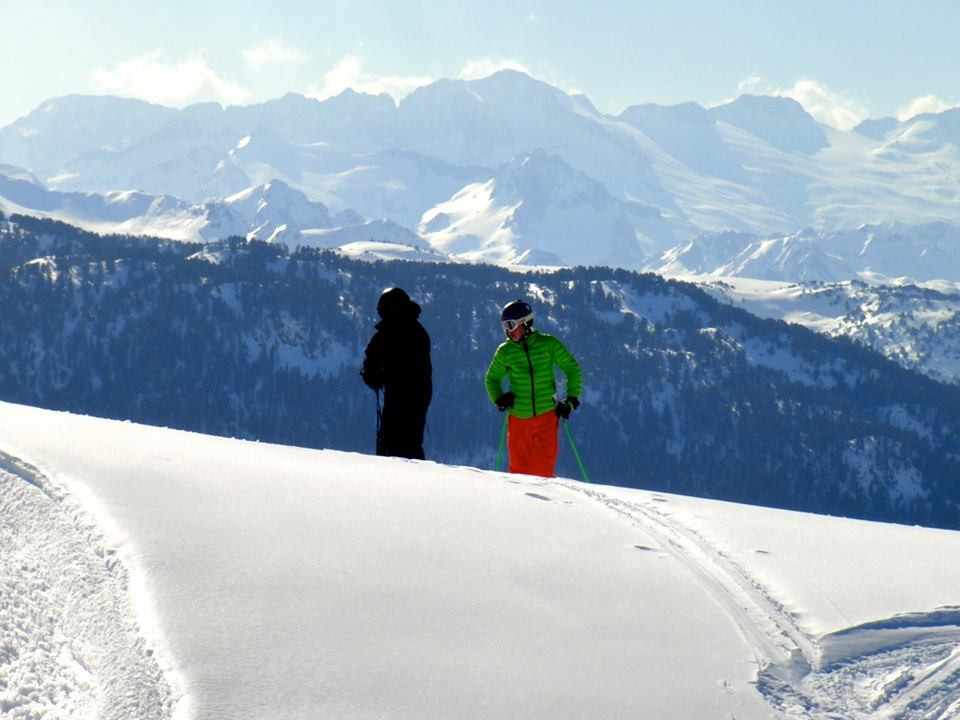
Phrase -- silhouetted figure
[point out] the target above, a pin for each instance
(397, 361)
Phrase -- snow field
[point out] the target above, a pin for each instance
(288, 583)
(300, 584)
(69, 642)
(800, 588)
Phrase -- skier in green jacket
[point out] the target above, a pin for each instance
(527, 359)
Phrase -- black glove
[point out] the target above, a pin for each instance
(505, 401)
(565, 407)
(372, 377)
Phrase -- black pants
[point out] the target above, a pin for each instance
(401, 431)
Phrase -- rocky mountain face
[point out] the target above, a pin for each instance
(683, 392)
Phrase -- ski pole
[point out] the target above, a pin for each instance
(576, 453)
(379, 421)
(503, 443)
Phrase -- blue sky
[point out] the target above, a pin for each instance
(844, 60)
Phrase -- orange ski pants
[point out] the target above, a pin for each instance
(532, 444)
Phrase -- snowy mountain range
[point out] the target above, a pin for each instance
(536, 202)
(647, 181)
(511, 170)
(527, 205)
(273, 212)
(893, 253)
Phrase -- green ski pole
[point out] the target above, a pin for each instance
(576, 453)
(503, 443)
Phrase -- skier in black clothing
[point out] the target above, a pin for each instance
(397, 360)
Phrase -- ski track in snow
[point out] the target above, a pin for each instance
(70, 645)
(902, 668)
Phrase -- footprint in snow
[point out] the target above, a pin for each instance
(538, 496)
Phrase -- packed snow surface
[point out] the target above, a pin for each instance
(151, 573)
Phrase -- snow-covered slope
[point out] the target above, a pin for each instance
(536, 210)
(65, 128)
(259, 581)
(12, 172)
(924, 132)
(779, 121)
(393, 184)
(889, 253)
(180, 158)
(273, 212)
(375, 240)
(266, 212)
(380, 250)
(112, 212)
(688, 133)
(918, 327)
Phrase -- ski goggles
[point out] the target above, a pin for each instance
(510, 325)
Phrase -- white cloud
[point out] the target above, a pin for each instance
(346, 73)
(826, 105)
(149, 78)
(484, 67)
(349, 73)
(753, 85)
(924, 104)
(272, 52)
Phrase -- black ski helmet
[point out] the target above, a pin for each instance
(516, 313)
(391, 300)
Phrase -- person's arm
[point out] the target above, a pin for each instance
(373, 371)
(494, 377)
(570, 367)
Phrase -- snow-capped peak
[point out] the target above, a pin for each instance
(536, 209)
(779, 121)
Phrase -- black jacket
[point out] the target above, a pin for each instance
(397, 361)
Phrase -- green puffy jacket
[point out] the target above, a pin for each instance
(529, 365)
